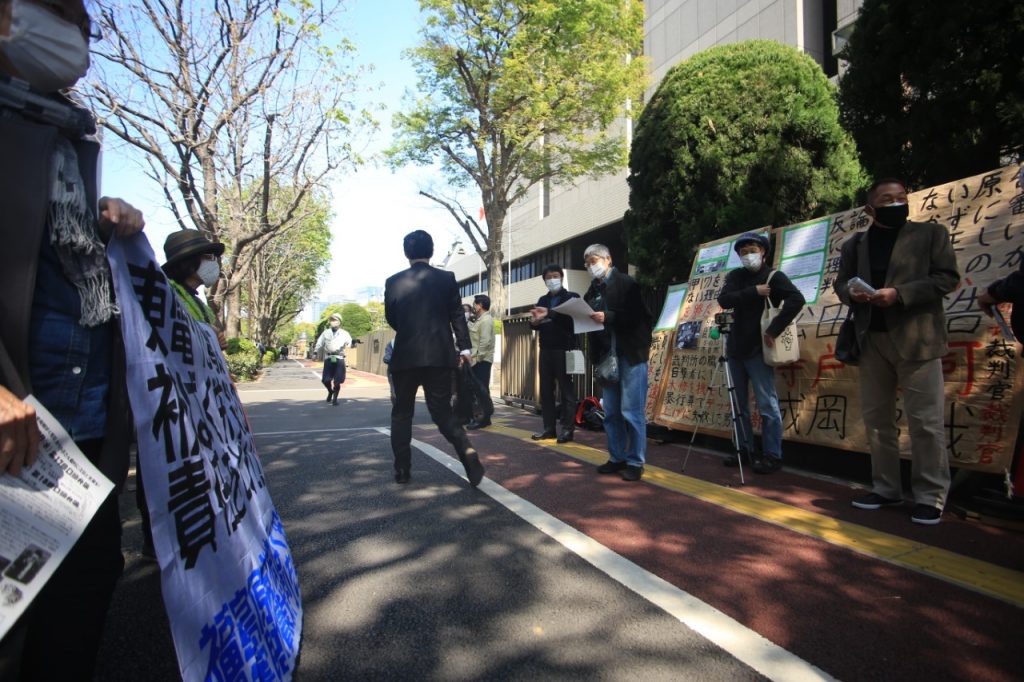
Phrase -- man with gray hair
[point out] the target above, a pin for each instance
(615, 298)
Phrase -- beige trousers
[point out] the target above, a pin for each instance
(881, 372)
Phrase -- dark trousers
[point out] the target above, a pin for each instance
(437, 389)
(58, 637)
(552, 373)
(333, 375)
(482, 372)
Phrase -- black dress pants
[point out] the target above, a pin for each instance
(552, 373)
(437, 389)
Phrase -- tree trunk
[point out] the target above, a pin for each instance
(496, 288)
(233, 319)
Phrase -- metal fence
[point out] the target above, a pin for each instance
(520, 378)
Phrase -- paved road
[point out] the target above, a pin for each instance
(430, 581)
(549, 571)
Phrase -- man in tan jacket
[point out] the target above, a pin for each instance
(481, 334)
(901, 329)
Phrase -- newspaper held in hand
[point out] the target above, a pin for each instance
(857, 284)
(580, 312)
(42, 513)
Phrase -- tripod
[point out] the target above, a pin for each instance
(734, 405)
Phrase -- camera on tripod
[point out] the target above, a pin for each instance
(724, 321)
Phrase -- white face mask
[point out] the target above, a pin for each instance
(49, 52)
(598, 270)
(208, 271)
(752, 261)
(553, 285)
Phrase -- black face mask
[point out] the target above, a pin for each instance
(892, 216)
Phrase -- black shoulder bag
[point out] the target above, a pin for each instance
(847, 345)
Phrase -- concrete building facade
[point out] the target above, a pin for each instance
(555, 225)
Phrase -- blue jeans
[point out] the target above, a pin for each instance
(625, 418)
(753, 371)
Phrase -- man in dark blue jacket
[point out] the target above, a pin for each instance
(557, 335)
(422, 305)
(745, 291)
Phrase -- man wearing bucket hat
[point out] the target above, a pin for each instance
(744, 291)
(194, 260)
(332, 343)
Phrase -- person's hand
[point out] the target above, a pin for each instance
(858, 296)
(19, 435)
(120, 217)
(763, 290)
(884, 298)
(538, 313)
(985, 302)
(464, 357)
(222, 340)
(769, 341)
(597, 317)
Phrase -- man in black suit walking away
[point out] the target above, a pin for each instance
(422, 305)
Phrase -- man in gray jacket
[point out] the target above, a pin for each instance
(901, 328)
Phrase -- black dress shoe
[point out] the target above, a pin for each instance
(611, 467)
(543, 435)
(632, 473)
(565, 437)
(478, 424)
(767, 465)
(402, 476)
(474, 469)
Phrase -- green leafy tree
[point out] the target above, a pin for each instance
(354, 319)
(935, 91)
(736, 137)
(377, 320)
(287, 271)
(516, 93)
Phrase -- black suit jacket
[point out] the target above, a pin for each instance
(422, 305)
(625, 313)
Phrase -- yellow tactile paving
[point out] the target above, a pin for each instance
(995, 581)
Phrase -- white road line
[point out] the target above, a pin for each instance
(744, 644)
(311, 431)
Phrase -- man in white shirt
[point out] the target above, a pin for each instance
(331, 346)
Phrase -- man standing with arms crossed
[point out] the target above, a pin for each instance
(422, 305)
(901, 329)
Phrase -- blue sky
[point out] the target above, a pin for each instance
(374, 207)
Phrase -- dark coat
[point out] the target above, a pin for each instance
(1010, 289)
(422, 305)
(922, 269)
(24, 194)
(626, 315)
(556, 331)
(739, 294)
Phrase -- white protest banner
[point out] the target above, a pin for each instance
(42, 514)
(230, 586)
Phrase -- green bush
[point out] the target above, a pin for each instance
(239, 345)
(244, 366)
(270, 357)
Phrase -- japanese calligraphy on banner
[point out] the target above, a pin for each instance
(230, 586)
(820, 396)
(661, 340)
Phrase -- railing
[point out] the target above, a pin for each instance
(520, 378)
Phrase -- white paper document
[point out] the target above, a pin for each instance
(580, 312)
(42, 513)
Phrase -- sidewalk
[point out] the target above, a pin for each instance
(851, 591)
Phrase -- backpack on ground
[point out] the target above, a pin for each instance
(589, 414)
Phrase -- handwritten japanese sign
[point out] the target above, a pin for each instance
(230, 586)
(819, 395)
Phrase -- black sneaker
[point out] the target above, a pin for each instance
(611, 467)
(632, 473)
(926, 514)
(875, 501)
(767, 465)
(732, 460)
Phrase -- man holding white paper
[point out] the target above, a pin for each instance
(556, 338)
